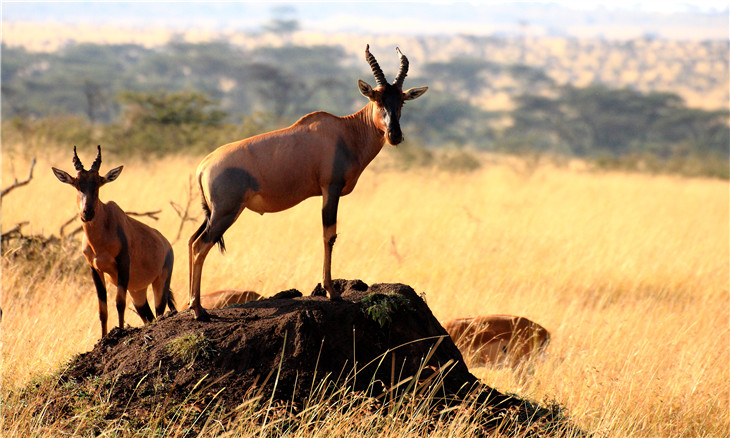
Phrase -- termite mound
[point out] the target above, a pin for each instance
(382, 342)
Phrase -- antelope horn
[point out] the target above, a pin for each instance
(97, 161)
(403, 69)
(77, 163)
(377, 71)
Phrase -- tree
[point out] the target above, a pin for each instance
(598, 120)
(283, 22)
(162, 122)
(170, 108)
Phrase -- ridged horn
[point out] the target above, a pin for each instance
(97, 161)
(403, 69)
(77, 163)
(377, 71)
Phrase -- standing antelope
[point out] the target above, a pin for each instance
(320, 154)
(131, 253)
(498, 339)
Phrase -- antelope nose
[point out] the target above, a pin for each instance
(395, 137)
(87, 215)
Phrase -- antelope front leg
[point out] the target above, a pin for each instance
(101, 295)
(331, 198)
(121, 304)
(122, 264)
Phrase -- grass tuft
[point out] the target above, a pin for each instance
(191, 347)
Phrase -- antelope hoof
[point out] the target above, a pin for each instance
(201, 315)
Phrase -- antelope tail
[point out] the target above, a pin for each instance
(205, 227)
(167, 296)
(170, 299)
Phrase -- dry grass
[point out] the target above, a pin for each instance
(630, 274)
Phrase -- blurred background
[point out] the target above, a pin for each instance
(631, 85)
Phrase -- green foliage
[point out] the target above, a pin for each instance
(170, 108)
(625, 128)
(165, 122)
(438, 118)
(56, 129)
(190, 347)
(412, 154)
(380, 307)
(193, 97)
(599, 120)
(458, 160)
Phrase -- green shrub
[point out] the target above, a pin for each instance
(380, 307)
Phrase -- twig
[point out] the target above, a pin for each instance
(62, 230)
(184, 215)
(394, 250)
(17, 183)
(471, 216)
(14, 232)
(152, 214)
(67, 223)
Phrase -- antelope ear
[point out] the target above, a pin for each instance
(365, 89)
(63, 176)
(112, 174)
(413, 93)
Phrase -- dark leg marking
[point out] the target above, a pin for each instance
(100, 286)
(101, 294)
(122, 260)
(329, 210)
(145, 313)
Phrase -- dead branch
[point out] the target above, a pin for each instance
(152, 214)
(61, 231)
(184, 214)
(14, 232)
(17, 183)
(72, 219)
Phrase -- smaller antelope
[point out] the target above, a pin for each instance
(131, 253)
(498, 339)
(223, 298)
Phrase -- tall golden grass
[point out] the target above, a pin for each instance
(629, 272)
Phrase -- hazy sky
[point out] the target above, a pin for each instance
(433, 17)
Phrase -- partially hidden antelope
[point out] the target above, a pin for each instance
(502, 340)
(132, 254)
(226, 297)
(319, 155)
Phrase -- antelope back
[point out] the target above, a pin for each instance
(498, 339)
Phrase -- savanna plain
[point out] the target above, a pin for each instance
(628, 271)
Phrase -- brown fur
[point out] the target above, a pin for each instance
(320, 155)
(223, 298)
(498, 339)
(132, 254)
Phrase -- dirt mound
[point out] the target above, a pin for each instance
(281, 348)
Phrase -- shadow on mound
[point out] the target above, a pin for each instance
(381, 341)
